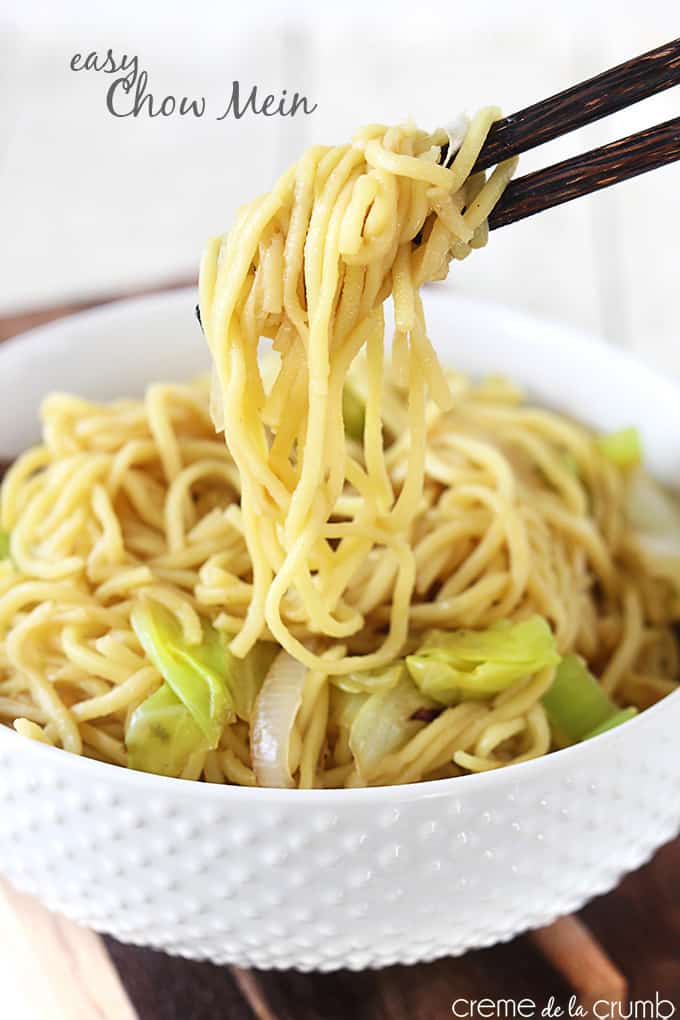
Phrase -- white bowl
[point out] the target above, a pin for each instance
(338, 878)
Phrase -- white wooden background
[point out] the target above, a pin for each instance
(90, 204)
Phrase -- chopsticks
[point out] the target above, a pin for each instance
(589, 172)
(606, 93)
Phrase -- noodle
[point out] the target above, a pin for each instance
(339, 229)
(456, 505)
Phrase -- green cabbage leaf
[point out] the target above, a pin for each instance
(477, 664)
(204, 688)
(577, 705)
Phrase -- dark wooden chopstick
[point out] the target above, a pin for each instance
(582, 104)
(580, 175)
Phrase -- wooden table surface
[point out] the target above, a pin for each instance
(51, 969)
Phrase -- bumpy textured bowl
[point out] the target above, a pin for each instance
(356, 878)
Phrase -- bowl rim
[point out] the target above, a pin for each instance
(554, 334)
(330, 797)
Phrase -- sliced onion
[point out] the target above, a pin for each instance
(655, 514)
(383, 724)
(276, 706)
(651, 508)
(662, 557)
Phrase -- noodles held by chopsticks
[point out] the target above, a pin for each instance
(309, 266)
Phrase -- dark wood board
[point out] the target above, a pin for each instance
(639, 925)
